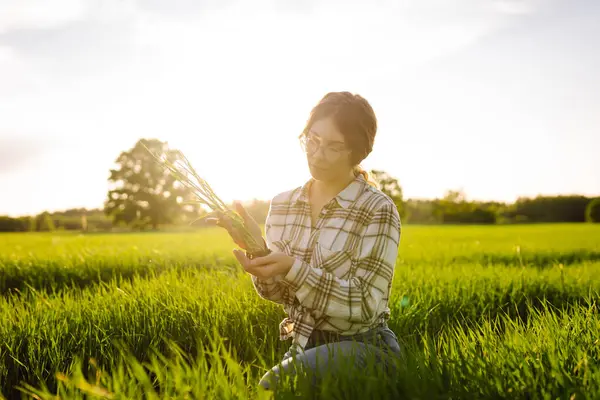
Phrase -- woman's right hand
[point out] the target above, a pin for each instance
(224, 221)
(250, 223)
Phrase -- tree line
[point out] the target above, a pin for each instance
(143, 195)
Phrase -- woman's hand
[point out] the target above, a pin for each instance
(224, 221)
(249, 222)
(269, 266)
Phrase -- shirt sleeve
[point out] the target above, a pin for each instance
(270, 288)
(360, 297)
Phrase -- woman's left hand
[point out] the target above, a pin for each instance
(269, 266)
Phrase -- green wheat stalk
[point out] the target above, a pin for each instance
(186, 174)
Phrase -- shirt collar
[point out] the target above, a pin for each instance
(345, 198)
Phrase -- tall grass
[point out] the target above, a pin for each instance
(554, 355)
(496, 312)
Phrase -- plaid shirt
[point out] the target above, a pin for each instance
(344, 266)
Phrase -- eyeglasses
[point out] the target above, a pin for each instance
(310, 144)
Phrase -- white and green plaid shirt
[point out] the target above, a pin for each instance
(343, 272)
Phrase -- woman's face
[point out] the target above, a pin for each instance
(327, 153)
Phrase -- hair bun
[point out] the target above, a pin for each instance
(358, 170)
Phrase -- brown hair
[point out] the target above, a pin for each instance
(355, 119)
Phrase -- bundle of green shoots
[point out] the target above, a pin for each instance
(184, 172)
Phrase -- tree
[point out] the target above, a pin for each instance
(390, 186)
(455, 196)
(420, 211)
(454, 208)
(450, 205)
(562, 208)
(8, 224)
(592, 212)
(45, 222)
(144, 193)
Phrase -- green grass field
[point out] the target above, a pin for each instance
(492, 312)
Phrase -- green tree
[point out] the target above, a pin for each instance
(144, 194)
(454, 208)
(592, 211)
(45, 222)
(32, 224)
(562, 208)
(390, 186)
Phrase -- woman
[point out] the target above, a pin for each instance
(334, 243)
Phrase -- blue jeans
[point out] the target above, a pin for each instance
(379, 345)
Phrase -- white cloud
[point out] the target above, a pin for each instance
(18, 77)
(240, 75)
(35, 14)
(517, 7)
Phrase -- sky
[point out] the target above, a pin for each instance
(498, 98)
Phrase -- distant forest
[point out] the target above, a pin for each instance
(144, 196)
(452, 209)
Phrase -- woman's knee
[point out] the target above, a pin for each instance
(268, 380)
(320, 363)
(287, 367)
